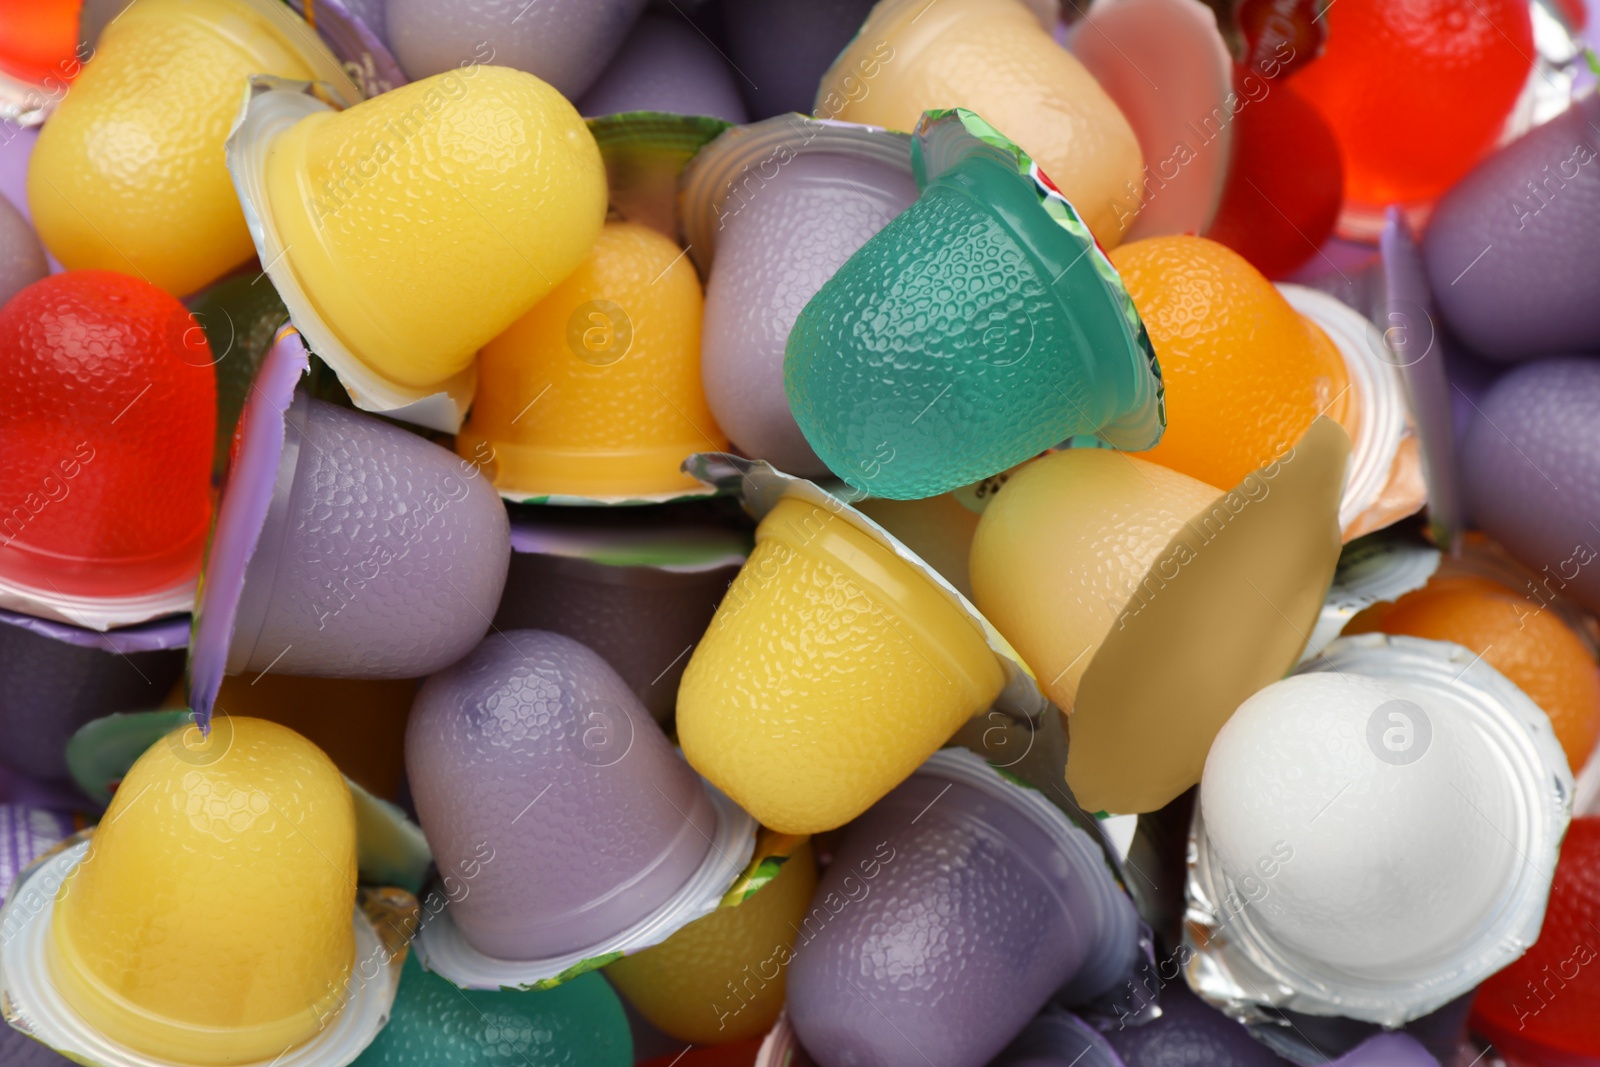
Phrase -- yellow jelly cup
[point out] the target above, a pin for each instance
(997, 58)
(832, 669)
(128, 174)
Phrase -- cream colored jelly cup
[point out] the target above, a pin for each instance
(128, 175)
(403, 237)
(997, 58)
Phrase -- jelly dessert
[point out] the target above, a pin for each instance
(666, 65)
(40, 39)
(1188, 1027)
(22, 260)
(791, 43)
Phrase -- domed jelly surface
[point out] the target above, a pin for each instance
(997, 60)
(1189, 1031)
(564, 42)
(210, 922)
(596, 391)
(386, 561)
(579, 1023)
(410, 219)
(128, 174)
(109, 405)
(1417, 90)
(721, 979)
(533, 750)
(791, 43)
(1530, 471)
(666, 65)
(1292, 783)
(22, 259)
(1508, 249)
(944, 923)
(807, 733)
(775, 250)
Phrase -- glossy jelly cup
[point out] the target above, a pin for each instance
(791, 42)
(1383, 873)
(978, 328)
(1059, 1039)
(1000, 60)
(665, 64)
(323, 189)
(771, 211)
(130, 179)
(951, 913)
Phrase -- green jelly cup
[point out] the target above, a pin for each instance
(980, 327)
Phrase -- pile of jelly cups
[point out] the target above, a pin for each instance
(799, 533)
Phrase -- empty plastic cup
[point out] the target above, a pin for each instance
(533, 748)
(596, 391)
(211, 921)
(978, 328)
(666, 65)
(788, 44)
(999, 60)
(806, 735)
(781, 205)
(128, 175)
(22, 260)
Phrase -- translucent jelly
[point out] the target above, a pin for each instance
(596, 391)
(210, 922)
(128, 174)
(40, 37)
(413, 235)
(109, 403)
(721, 979)
(806, 734)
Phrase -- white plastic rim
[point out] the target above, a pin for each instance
(441, 948)
(98, 613)
(1379, 395)
(34, 1005)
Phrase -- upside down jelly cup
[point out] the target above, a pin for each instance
(531, 761)
(326, 193)
(1000, 60)
(771, 211)
(954, 909)
(595, 393)
(129, 179)
(980, 327)
(666, 65)
(1375, 835)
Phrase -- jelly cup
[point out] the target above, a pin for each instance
(595, 393)
(323, 191)
(345, 547)
(107, 513)
(980, 327)
(563, 42)
(665, 64)
(40, 39)
(1000, 60)
(354, 30)
(953, 910)
(771, 211)
(791, 43)
(1375, 836)
(22, 259)
(55, 677)
(1134, 592)
(638, 589)
(1189, 1027)
(240, 319)
(1059, 1039)
(1381, 566)
(620, 846)
(129, 179)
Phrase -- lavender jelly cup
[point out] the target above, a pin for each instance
(771, 211)
(1189, 1030)
(665, 64)
(788, 45)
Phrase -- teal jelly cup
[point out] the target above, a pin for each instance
(978, 328)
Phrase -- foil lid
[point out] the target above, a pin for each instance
(1378, 567)
(360, 51)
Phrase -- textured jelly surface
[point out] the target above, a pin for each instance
(1534, 648)
(616, 408)
(1417, 90)
(791, 42)
(564, 42)
(424, 221)
(778, 245)
(393, 559)
(532, 758)
(1530, 465)
(1549, 995)
(1397, 871)
(666, 65)
(1244, 373)
(1065, 545)
(683, 985)
(1190, 1033)
(1509, 264)
(216, 894)
(109, 403)
(579, 1023)
(129, 173)
(22, 259)
(946, 913)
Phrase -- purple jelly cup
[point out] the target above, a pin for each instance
(787, 45)
(667, 65)
(1189, 1030)
(1060, 1039)
(771, 211)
